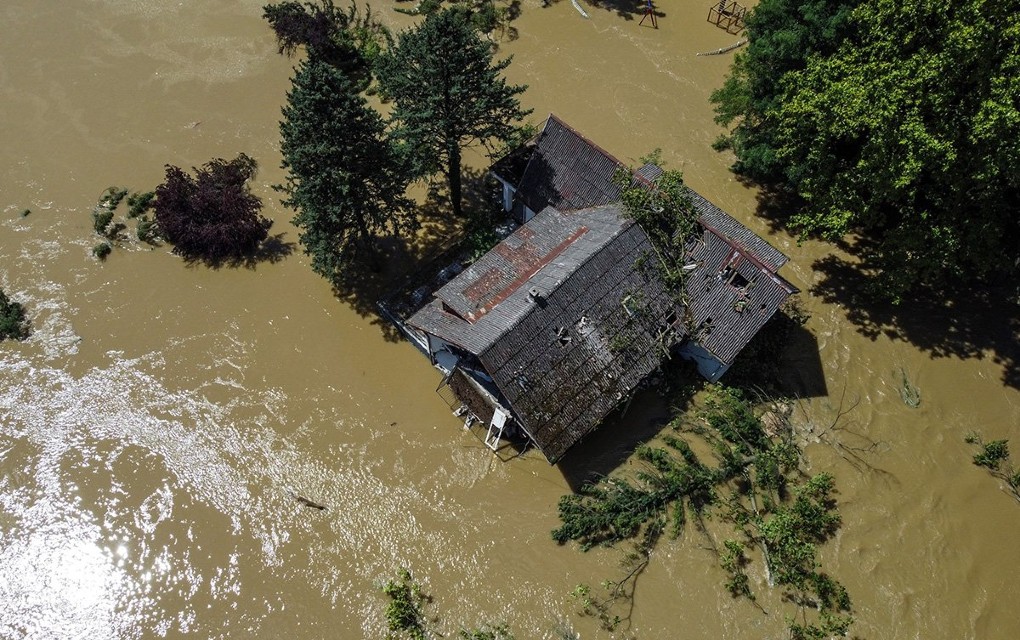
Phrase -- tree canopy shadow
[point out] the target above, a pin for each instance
(965, 323)
(614, 441)
(626, 9)
(632, 424)
(969, 320)
(272, 250)
(403, 261)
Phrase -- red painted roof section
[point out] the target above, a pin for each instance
(525, 262)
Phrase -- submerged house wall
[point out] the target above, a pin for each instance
(710, 367)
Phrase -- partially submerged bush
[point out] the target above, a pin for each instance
(213, 215)
(13, 322)
(139, 203)
(404, 615)
(102, 216)
(102, 250)
(147, 230)
(994, 456)
(112, 197)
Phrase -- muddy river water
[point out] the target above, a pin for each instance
(153, 427)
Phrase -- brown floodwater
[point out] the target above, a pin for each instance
(154, 426)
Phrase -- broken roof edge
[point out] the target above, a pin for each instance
(750, 256)
(764, 252)
(594, 145)
(534, 140)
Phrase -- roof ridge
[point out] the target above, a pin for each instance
(553, 116)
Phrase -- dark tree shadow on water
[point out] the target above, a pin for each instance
(404, 263)
(775, 205)
(272, 250)
(626, 9)
(970, 320)
(981, 322)
(362, 289)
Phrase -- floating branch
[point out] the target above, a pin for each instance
(577, 6)
(735, 45)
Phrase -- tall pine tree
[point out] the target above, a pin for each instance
(448, 95)
(347, 39)
(344, 178)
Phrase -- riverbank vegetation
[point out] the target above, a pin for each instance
(892, 120)
(14, 323)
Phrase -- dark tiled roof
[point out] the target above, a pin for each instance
(511, 167)
(566, 171)
(490, 297)
(730, 296)
(564, 361)
(649, 172)
(560, 374)
(726, 225)
(573, 357)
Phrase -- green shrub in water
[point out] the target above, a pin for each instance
(13, 323)
(102, 250)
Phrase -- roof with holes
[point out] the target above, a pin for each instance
(562, 319)
(563, 316)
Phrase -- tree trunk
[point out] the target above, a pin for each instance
(369, 242)
(453, 176)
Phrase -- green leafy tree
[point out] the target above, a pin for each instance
(406, 618)
(905, 133)
(13, 322)
(344, 178)
(405, 614)
(782, 35)
(917, 140)
(448, 95)
(665, 212)
(213, 215)
(487, 16)
(348, 39)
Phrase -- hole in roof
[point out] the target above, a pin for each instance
(738, 281)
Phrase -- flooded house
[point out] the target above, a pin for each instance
(559, 324)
